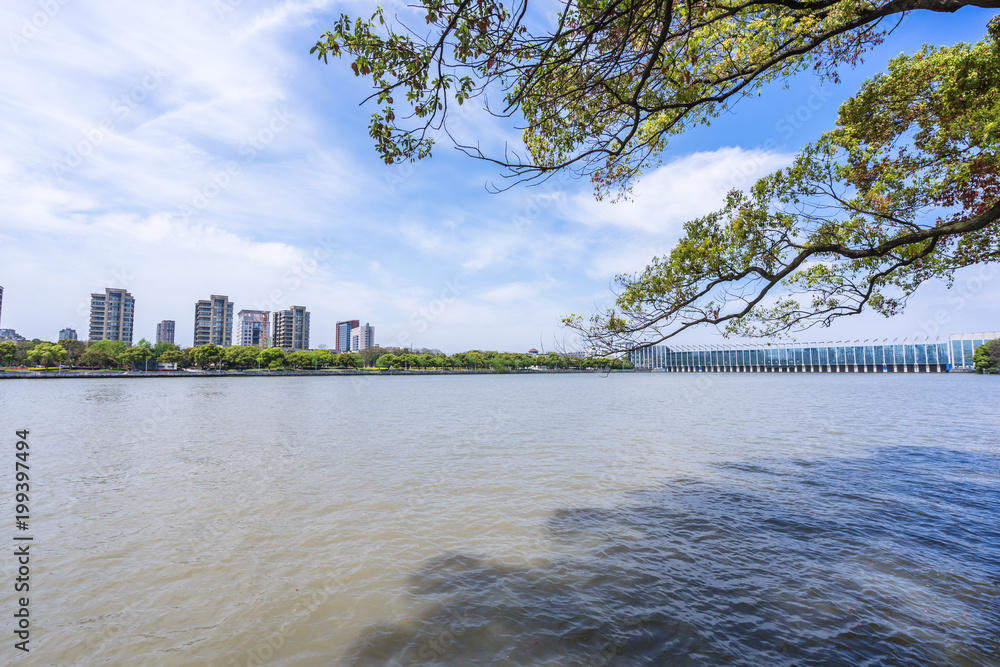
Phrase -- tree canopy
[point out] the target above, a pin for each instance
(137, 356)
(903, 190)
(987, 357)
(206, 355)
(8, 352)
(603, 87)
(46, 354)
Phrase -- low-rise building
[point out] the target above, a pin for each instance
(10, 334)
(962, 347)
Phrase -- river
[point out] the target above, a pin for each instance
(630, 519)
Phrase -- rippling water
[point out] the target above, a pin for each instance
(512, 520)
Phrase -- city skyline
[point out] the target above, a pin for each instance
(933, 330)
(213, 322)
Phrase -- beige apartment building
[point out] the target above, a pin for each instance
(112, 315)
(213, 321)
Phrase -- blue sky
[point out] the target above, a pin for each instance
(193, 148)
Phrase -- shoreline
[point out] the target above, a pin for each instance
(63, 375)
(69, 375)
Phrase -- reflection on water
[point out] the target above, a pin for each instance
(786, 562)
(512, 520)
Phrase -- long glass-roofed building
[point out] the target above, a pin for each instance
(840, 357)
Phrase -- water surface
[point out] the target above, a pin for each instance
(634, 519)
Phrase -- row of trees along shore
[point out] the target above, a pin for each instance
(107, 354)
(987, 357)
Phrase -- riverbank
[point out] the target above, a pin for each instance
(27, 374)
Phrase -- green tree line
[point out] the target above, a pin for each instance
(107, 354)
(987, 357)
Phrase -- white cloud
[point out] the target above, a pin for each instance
(518, 291)
(282, 14)
(684, 189)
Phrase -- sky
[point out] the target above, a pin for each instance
(192, 148)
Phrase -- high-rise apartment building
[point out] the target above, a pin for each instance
(362, 338)
(213, 321)
(112, 315)
(67, 334)
(344, 334)
(165, 331)
(291, 329)
(251, 328)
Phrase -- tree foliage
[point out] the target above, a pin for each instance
(175, 356)
(74, 348)
(97, 357)
(46, 354)
(8, 352)
(163, 346)
(206, 355)
(299, 359)
(402, 359)
(905, 189)
(604, 87)
(112, 347)
(240, 356)
(987, 357)
(137, 356)
(271, 357)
